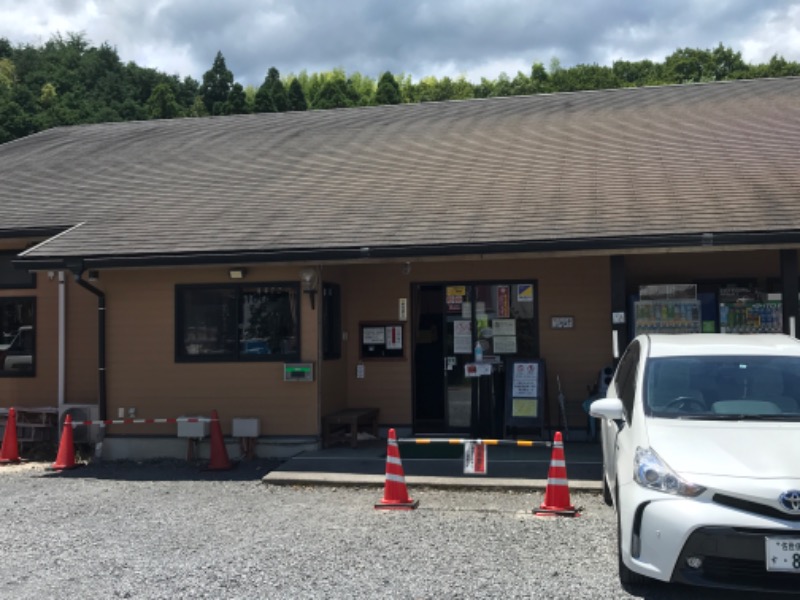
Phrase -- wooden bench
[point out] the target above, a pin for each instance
(344, 425)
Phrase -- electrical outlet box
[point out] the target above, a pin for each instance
(192, 430)
(245, 428)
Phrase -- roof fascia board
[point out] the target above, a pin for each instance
(687, 242)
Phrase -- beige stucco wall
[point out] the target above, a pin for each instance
(578, 287)
(80, 377)
(142, 373)
(140, 322)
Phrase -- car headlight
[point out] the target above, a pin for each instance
(653, 473)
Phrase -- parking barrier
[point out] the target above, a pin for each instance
(457, 441)
(145, 421)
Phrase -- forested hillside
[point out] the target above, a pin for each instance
(67, 81)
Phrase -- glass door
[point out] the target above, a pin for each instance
(451, 319)
(459, 350)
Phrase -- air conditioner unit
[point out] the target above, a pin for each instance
(81, 434)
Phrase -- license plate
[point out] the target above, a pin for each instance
(783, 554)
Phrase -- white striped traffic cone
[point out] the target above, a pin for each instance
(556, 495)
(395, 493)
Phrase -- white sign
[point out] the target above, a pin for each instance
(462, 337)
(477, 369)
(475, 459)
(374, 335)
(525, 381)
(504, 326)
(360, 371)
(394, 337)
(505, 344)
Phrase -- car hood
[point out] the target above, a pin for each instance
(752, 449)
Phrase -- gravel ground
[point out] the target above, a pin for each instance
(169, 530)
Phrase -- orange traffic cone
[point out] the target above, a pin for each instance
(9, 452)
(556, 495)
(219, 460)
(66, 449)
(395, 494)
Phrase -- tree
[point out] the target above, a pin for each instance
(162, 104)
(237, 101)
(388, 91)
(540, 80)
(8, 72)
(296, 98)
(332, 94)
(263, 101)
(276, 90)
(217, 83)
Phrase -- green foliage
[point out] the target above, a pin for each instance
(237, 101)
(296, 98)
(162, 104)
(388, 91)
(8, 72)
(276, 90)
(271, 96)
(333, 93)
(217, 83)
(68, 81)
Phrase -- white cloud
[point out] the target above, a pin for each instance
(419, 37)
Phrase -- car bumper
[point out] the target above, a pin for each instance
(659, 533)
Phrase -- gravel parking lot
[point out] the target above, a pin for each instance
(169, 530)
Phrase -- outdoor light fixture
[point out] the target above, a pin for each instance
(93, 275)
(308, 279)
(237, 273)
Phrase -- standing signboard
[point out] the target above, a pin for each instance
(525, 395)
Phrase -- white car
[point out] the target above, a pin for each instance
(701, 460)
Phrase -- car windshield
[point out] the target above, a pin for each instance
(723, 387)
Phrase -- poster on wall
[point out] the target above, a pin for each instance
(525, 292)
(503, 301)
(381, 340)
(462, 337)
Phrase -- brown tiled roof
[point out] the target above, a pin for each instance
(616, 164)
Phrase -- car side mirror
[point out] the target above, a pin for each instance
(607, 408)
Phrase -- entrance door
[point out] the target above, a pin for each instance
(450, 320)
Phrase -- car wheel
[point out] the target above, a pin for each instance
(626, 576)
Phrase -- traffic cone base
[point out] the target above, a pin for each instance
(395, 493)
(218, 460)
(9, 452)
(556, 496)
(65, 459)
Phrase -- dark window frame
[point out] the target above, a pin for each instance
(32, 371)
(181, 356)
(331, 321)
(26, 281)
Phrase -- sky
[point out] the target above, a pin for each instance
(473, 38)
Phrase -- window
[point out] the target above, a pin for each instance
(17, 339)
(331, 321)
(237, 322)
(626, 379)
(11, 277)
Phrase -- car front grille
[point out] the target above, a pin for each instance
(754, 508)
(731, 558)
(748, 573)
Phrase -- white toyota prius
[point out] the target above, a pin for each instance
(701, 458)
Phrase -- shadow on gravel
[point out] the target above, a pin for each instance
(658, 590)
(167, 470)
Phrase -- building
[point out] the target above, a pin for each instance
(284, 266)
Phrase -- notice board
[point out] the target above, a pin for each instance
(525, 394)
(381, 340)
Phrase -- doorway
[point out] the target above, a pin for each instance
(451, 319)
